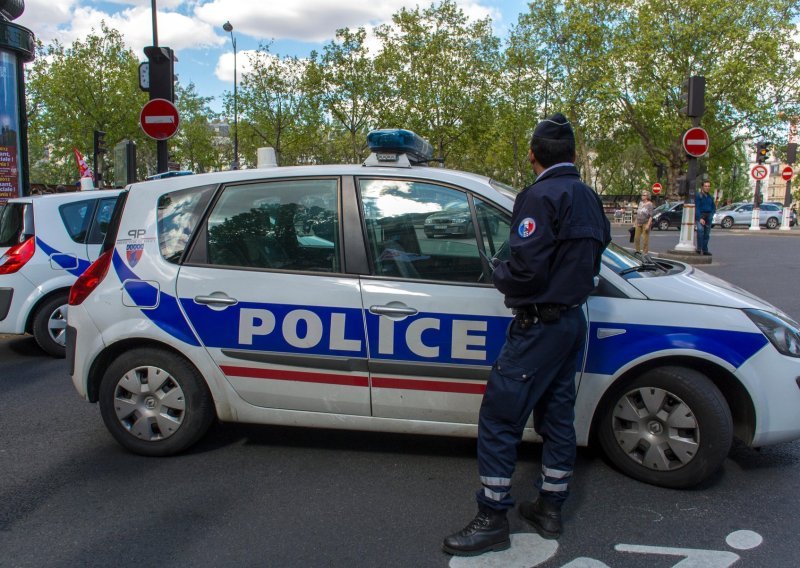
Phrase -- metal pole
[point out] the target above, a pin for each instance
(153, 11)
(228, 27)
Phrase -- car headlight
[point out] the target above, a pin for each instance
(783, 333)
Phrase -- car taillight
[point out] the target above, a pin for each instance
(90, 279)
(16, 257)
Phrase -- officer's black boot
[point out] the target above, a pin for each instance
(544, 515)
(487, 531)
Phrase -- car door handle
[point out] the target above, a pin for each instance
(216, 300)
(392, 310)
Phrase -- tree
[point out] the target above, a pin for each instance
(72, 91)
(438, 71)
(194, 146)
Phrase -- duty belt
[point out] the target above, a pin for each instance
(527, 316)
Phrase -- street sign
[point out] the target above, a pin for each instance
(656, 188)
(787, 173)
(696, 142)
(159, 119)
(759, 172)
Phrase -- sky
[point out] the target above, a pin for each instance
(193, 28)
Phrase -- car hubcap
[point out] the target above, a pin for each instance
(149, 403)
(656, 429)
(57, 325)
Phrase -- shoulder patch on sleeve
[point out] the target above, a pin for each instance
(526, 227)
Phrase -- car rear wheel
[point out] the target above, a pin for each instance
(670, 427)
(726, 223)
(663, 224)
(772, 223)
(50, 325)
(155, 403)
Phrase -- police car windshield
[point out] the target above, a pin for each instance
(619, 259)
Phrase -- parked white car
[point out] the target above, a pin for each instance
(770, 215)
(312, 296)
(46, 242)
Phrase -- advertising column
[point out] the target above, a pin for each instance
(16, 49)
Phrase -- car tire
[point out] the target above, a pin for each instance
(663, 224)
(726, 223)
(772, 223)
(49, 325)
(670, 427)
(155, 403)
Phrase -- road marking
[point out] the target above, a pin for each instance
(744, 540)
(527, 549)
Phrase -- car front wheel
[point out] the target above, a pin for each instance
(50, 325)
(154, 403)
(670, 427)
(726, 223)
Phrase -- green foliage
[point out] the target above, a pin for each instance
(75, 90)
(614, 67)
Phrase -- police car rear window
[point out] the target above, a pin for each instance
(178, 214)
(12, 224)
(76, 218)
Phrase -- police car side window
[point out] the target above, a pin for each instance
(420, 230)
(178, 214)
(283, 225)
(102, 216)
(76, 217)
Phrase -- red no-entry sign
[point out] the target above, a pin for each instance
(159, 119)
(787, 173)
(656, 188)
(695, 142)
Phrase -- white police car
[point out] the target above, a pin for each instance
(312, 296)
(46, 242)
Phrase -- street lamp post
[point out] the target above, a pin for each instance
(229, 28)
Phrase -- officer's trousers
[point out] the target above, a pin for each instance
(535, 372)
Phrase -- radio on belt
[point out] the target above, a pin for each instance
(388, 144)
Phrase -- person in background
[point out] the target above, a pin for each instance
(704, 213)
(642, 223)
(558, 233)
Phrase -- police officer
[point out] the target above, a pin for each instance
(558, 233)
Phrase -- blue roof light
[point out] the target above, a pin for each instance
(397, 140)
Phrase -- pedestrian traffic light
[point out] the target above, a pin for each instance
(791, 152)
(693, 95)
(762, 151)
(162, 72)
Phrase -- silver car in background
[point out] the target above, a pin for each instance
(742, 214)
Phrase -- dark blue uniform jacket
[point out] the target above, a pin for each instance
(558, 234)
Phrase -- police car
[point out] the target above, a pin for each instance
(46, 242)
(312, 296)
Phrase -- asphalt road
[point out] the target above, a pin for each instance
(267, 496)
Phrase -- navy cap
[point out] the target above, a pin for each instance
(554, 127)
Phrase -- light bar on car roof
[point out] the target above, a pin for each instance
(387, 143)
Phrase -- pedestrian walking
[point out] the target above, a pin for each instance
(558, 233)
(642, 223)
(704, 214)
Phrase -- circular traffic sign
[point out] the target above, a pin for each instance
(787, 173)
(696, 142)
(759, 172)
(159, 119)
(656, 188)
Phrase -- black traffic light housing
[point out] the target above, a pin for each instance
(100, 148)
(791, 152)
(762, 151)
(693, 96)
(162, 72)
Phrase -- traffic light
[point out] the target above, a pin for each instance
(100, 142)
(162, 72)
(682, 186)
(693, 96)
(791, 152)
(762, 152)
